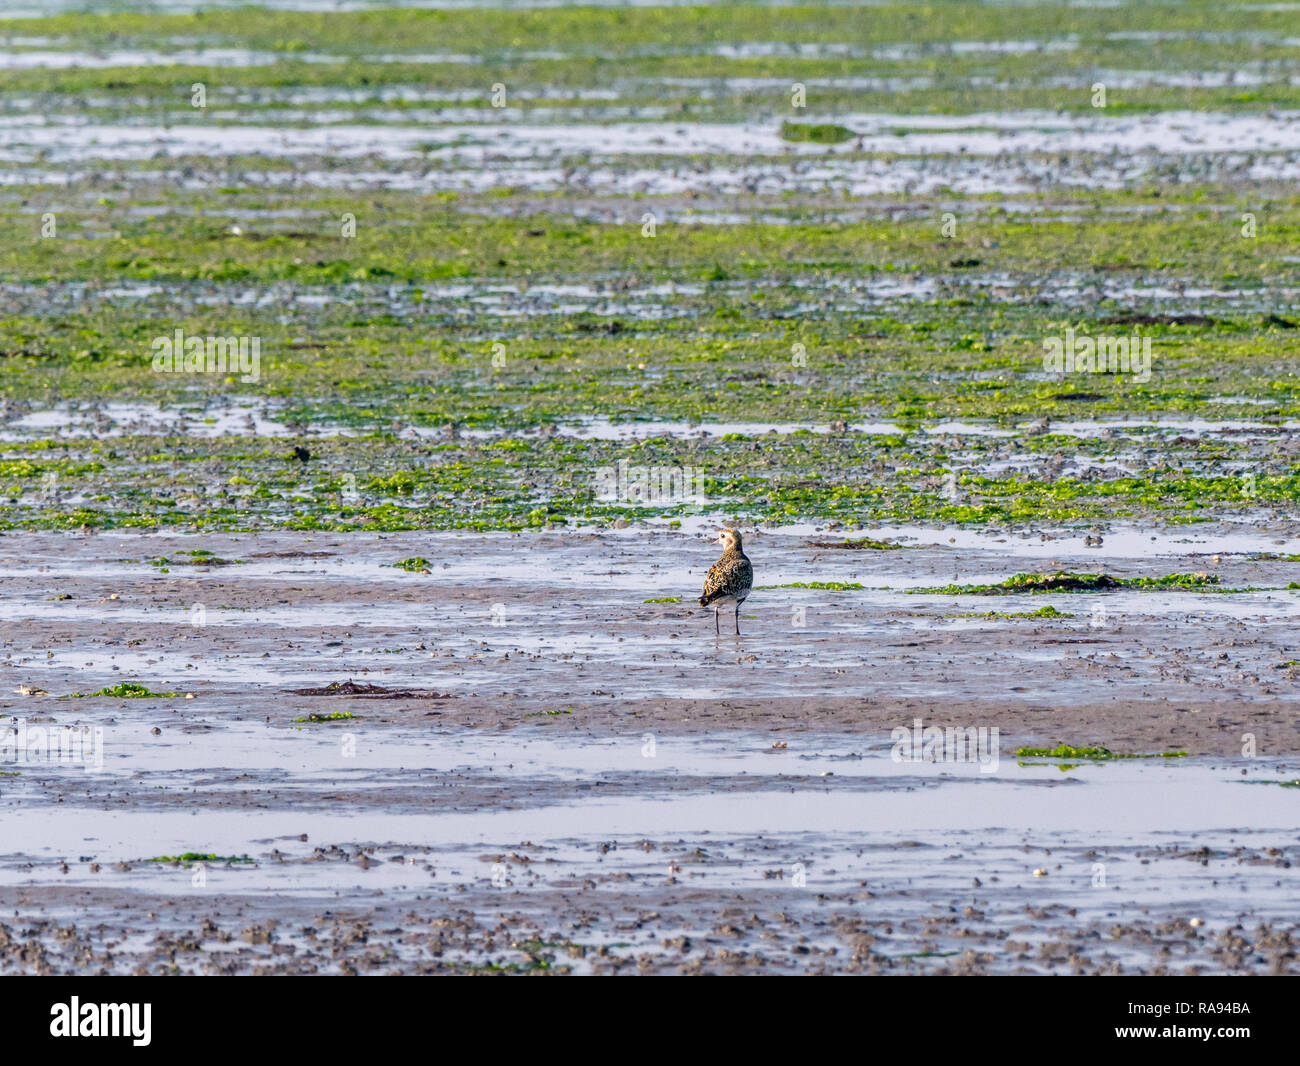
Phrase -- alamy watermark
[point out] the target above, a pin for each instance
(179, 354)
(932, 743)
(654, 486)
(77, 1019)
(21, 744)
(1083, 354)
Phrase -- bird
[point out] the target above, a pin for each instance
(729, 579)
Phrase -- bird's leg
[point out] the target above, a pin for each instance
(737, 619)
(716, 630)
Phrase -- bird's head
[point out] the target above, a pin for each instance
(729, 539)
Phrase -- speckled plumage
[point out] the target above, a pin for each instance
(729, 580)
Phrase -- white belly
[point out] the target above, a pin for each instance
(730, 601)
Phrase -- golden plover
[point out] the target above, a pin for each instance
(729, 579)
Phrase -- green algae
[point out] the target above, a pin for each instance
(572, 47)
(382, 353)
(127, 690)
(197, 557)
(1042, 612)
(1071, 582)
(824, 133)
(860, 544)
(832, 586)
(1092, 754)
(192, 857)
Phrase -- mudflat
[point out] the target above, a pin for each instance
(506, 760)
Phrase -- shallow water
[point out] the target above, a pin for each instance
(838, 805)
(208, 416)
(1022, 132)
